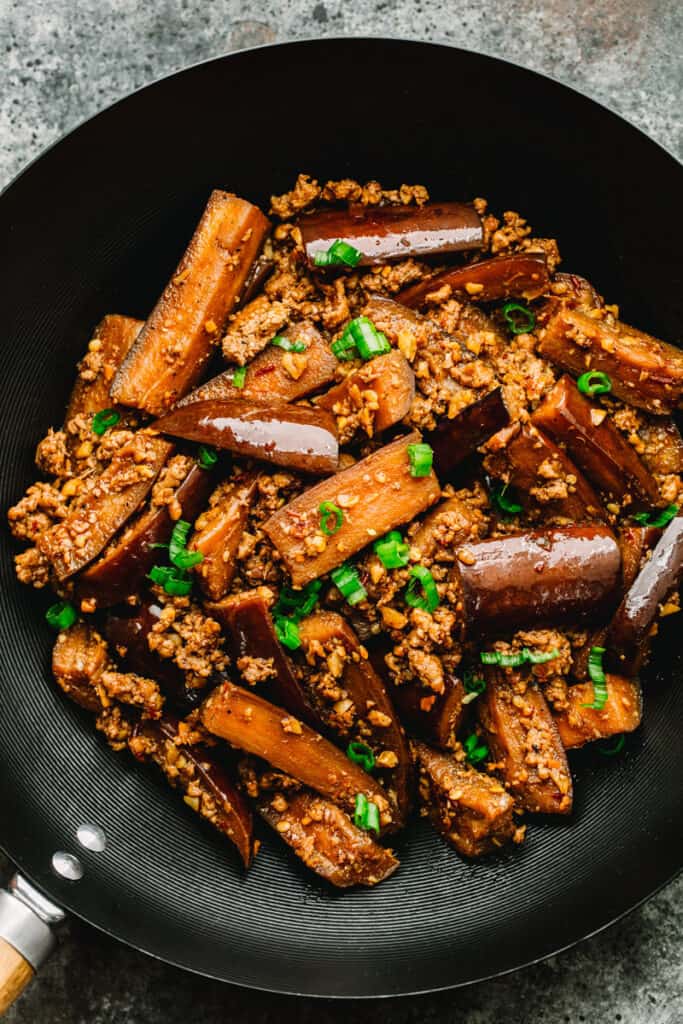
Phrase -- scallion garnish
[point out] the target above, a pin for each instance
(421, 457)
(657, 519)
(289, 346)
(297, 604)
(505, 504)
(594, 382)
(366, 814)
(475, 752)
(472, 682)
(344, 348)
(207, 457)
(331, 518)
(347, 581)
(239, 377)
(392, 550)
(177, 548)
(287, 633)
(174, 581)
(361, 338)
(523, 657)
(61, 615)
(103, 420)
(520, 319)
(339, 254)
(422, 578)
(613, 749)
(597, 674)
(361, 754)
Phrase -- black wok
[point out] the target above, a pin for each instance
(95, 226)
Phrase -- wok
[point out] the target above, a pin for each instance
(95, 226)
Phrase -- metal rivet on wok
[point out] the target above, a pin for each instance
(91, 837)
(66, 865)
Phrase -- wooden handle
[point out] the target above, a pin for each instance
(15, 974)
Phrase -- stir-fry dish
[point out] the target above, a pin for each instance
(376, 514)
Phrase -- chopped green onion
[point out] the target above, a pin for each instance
(490, 657)
(361, 754)
(328, 510)
(347, 581)
(366, 814)
(188, 559)
(174, 581)
(339, 254)
(61, 615)
(239, 377)
(423, 578)
(597, 674)
(475, 752)
(540, 657)
(505, 505)
(615, 748)
(289, 346)
(392, 551)
(518, 657)
(287, 633)
(207, 457)
(594, 382)
(344, 348)
(177, 548)
(472, 683)
(657, 519)
(512, 660)
(420, 457)
(520, 319)
(103, 420)
(362, 336)
(297, 604)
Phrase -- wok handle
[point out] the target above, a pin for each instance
(26, 937)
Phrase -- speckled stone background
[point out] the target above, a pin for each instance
(62, 60)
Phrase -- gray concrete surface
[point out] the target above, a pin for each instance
(63, 60)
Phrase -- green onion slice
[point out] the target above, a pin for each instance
(594, 382)
(657, 518)
(475, 752)
(239, 377)
(339, 254)
(366, 814)
(361, 754)
(506, 505)
(473, 683)
(61, 615)
(174, 581)
(297, 604)
(422, 577)
(103, 420)
(177, 548)
(207, 457)
(289, 346)
(347, 581)
(518, 657)
(597, 674)
(392, 550)
(329, 511)
(287, 633)
(344, 348)
(361, 338)
(421, 457)
(616, 747)
(520, 319)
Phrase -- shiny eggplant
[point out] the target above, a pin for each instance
(519, 275)
(111, 341)
(218, 533)
(580, 723)
(457, 438)
(79, 658)
(259, 272)
(376, 396)
(434, 717)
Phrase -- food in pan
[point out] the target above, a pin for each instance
(399, 556)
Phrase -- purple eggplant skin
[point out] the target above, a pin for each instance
(433, 717)
(660, 575)
(555, 576)
(455, 439)
(259, 272)
(519, 275)
(387, 233)
(287, 435)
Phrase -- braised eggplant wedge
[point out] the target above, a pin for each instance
(595, 445)
(457, 438)
(471, 810)
(280, 374)
(218, 532)
(376, 396)
(184, 327)
(643, 371)
(519, 275)
(582, 723)
(121, 570)
(257, 727)
(375, 495)
(71, 544)
(352, 700)
(433, 717)
(385, 233)
(524, 744)
(111, 341)
(203, 781)
(79, 658)
(288, 435)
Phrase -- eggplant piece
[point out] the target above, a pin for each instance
(457, 438)
(384, 233)
(443, 530)
(541, 471)
(288, 435)
(644, 372)
(595, 444)
(259, 272)
(206, 786)
(218, 533)
(111, 341)
(552, 576)
(326, 840)
(663, 451)
(79, 658)
(371, 717)
(184, 327)
(519, 275)
(581, 724)
(524, 742)
(376, 396)
(247, 618)
(254, 725)
(121, 570)
(275, 374)
(434, 717)
(660, 576)
(469, 809)
(119, 490)
(413, 333)
(377, 494)
(568, 291)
